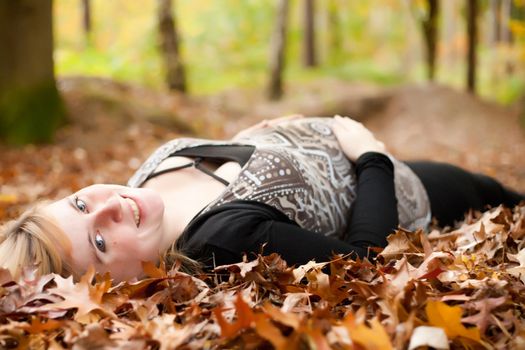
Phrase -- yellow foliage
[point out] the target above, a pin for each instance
(517, 28)
(449, 319)
(372, 338)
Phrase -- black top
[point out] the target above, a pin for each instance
(223, 234)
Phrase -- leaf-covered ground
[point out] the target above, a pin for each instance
(459, 287)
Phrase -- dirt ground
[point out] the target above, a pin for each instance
(114, 126)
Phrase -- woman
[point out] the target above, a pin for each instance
(304, 188)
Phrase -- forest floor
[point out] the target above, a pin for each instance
(478, 268)
(114, 126)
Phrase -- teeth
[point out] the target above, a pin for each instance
(135, 208)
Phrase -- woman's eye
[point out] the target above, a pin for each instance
(81, 205)
(100, 243)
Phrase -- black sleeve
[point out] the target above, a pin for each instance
(223, 236)
(374, 214)
(291, 242)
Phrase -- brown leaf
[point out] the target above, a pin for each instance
(485, 307)
(82, 295)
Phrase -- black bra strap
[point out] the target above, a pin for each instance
(196, 163)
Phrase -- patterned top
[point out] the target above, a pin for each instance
(299, 169)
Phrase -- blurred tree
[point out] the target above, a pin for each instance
(169, 44)
(277, 49)
(334, 27)
(426, 14)
(506, 11)
(86, 20)
(430, 29)
(309, 52)
(472, 40)
(30, 105)
(495, 21)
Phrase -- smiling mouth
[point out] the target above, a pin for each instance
(135, 209)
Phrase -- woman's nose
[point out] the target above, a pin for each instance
(109, 211)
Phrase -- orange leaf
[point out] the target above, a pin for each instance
(227, 329)
(374, 337)
(244, 312)
(245, 318)
(153, 271)
(319, 339)
(265, 328)
(37, 326)
(449, 318)
(289, 319)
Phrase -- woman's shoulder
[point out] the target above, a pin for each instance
(167, 149)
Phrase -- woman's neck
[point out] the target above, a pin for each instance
(183, 203)
(185, 193)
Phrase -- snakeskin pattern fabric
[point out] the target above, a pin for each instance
(298, 168)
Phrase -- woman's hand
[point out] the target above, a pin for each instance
(354, 138)
(266, 124)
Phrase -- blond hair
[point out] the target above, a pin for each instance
(175, 259)
(34, 239)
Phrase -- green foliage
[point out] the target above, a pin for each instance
(30, 115)
(225, 44)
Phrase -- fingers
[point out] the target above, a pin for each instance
(354, 138)
(347, 122)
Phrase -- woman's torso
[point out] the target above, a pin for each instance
(299, 169)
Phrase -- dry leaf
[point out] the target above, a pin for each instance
(449, 319)
(430, 337)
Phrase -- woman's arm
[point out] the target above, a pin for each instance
(245, 227)
(374, 214)
(222, 236)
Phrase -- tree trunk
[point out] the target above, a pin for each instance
(430, 30)
(495, 22)
(309, 53)
(277, 50)
(472, 38)
(334, 28)
(86, 20)
(30, 106)
(169, 44)
(506, 10)
(451, 19)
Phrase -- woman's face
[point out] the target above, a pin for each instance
(112, 227)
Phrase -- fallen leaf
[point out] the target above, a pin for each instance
(429, 337)
(371, 338)
(449, 319)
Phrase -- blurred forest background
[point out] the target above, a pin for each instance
(226, 44)
(91, 87)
